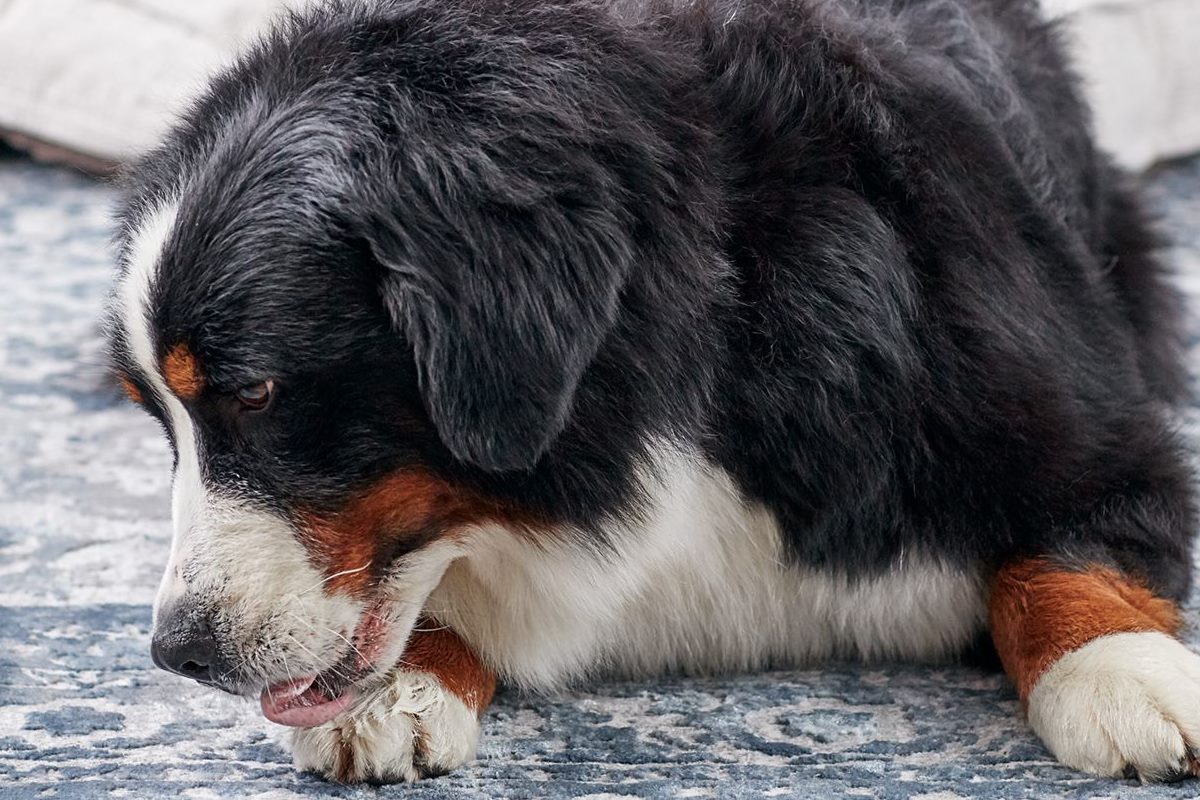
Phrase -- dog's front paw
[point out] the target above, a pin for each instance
(412, 728)
(1123, 704)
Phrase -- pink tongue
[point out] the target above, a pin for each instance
(300, 704)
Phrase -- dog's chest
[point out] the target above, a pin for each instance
(700, 586)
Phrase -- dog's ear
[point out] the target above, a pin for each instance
(504, 307)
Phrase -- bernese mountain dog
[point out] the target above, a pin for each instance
(543, 340)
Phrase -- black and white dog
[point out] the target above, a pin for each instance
(543, 339)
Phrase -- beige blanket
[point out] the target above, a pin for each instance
(95, 81)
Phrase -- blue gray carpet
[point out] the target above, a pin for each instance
(84, 532)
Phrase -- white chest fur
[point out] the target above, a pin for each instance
(700, 585)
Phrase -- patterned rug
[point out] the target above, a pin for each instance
(84, 522)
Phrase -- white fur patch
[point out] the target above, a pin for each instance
(702, 586)
(133, 296)
(141, 273)
(1126, 699)
(410, 728)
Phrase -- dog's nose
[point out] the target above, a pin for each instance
(183, 643)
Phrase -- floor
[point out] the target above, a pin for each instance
(84, 522)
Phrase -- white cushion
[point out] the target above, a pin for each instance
(104, 77)
(1140, 61)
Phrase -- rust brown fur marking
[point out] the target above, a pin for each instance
(130, 390)
(440, 652)
(343, 769)
(181, 371)
(1040, 612)
(406, 504)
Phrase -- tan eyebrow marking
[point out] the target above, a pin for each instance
(182, 373)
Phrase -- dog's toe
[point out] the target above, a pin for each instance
(1125, 704)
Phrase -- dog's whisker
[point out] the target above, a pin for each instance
(349, 643)
(317, 661)
(338, 634)
(328, 578)
(286, 668)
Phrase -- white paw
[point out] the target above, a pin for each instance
(1122, 703)
(409, 729)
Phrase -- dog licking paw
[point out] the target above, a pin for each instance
(412, 728)
(1125, 704)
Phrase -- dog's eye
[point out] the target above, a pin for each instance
(256, 396)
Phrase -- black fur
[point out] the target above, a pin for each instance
(862, 254)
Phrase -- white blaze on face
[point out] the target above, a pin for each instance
(188, 496)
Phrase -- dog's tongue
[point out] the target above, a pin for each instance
(301, 703)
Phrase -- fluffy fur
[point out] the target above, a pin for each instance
(631, 337)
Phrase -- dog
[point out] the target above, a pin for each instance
(548, 340)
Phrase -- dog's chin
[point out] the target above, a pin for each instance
(315, 699)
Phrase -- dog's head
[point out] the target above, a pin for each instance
(379, 289)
